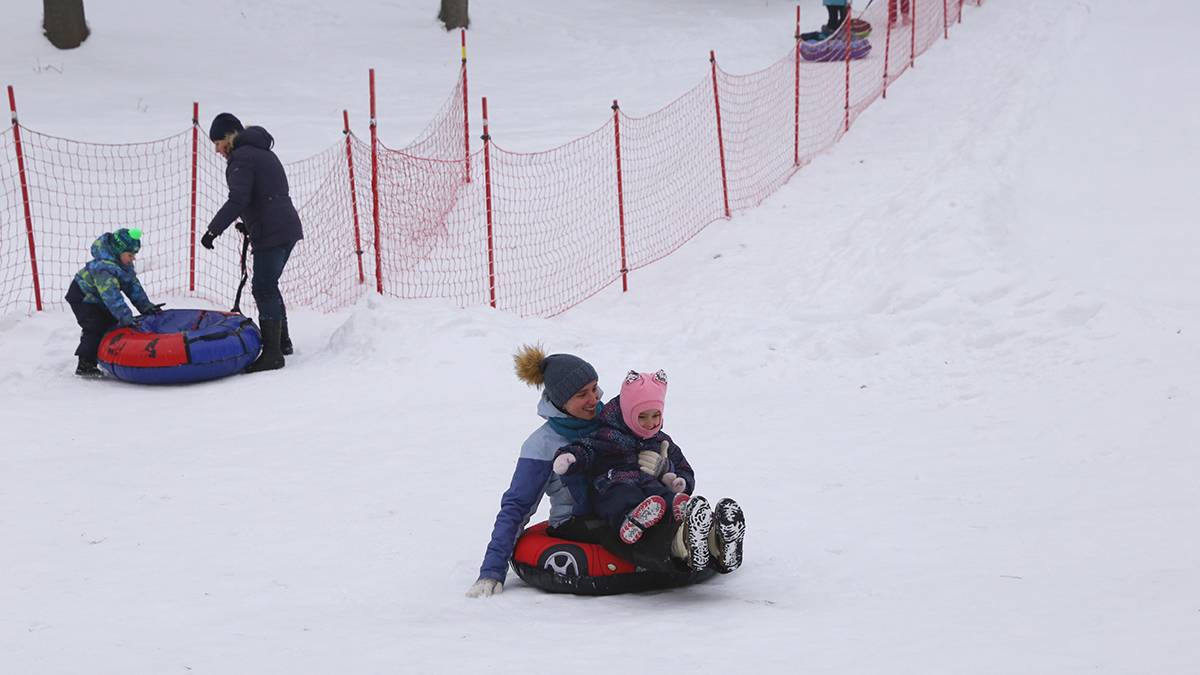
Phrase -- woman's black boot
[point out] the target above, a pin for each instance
(271, 357)
(285, 340)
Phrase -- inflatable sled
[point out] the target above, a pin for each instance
(176, 346)
(834, 50)
(565, 566)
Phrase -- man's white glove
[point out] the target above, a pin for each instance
(653, 463)
(675, 483)
(563, 462)
(485, 588)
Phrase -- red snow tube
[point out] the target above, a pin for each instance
(565, 566)
(175, 346)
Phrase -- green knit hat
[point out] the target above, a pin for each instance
(127, 240)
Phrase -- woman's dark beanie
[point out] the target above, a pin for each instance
(564, 375)
(223, 124)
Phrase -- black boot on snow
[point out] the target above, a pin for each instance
(728, 532)
(285, 339)
(271, 357)
(87, 368)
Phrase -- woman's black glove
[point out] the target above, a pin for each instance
(207, 240)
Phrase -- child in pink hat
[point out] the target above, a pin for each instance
(636, 473)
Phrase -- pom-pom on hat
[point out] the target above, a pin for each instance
(561, 374)
(125, 240)
(641, 392)
(223, 124)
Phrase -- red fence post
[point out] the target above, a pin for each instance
(712, 58)
(37, 285)
(466, 115)
(887, 45)
(358, 249)
(912, 49)
(796, 117)
(487, 183)
(620, 195)
(375, 189)
(847, 37)
(195, 161)
(945, 20)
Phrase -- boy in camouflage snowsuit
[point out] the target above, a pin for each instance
(95, 294)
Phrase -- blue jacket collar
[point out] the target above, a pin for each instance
(570, 428)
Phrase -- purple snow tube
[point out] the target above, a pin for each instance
(834, 49)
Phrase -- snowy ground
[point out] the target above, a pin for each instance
(956, 399)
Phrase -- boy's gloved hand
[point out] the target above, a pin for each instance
(207, 240)
(653, 463)
(154, 309)
(485, 588)
(563, 463)
(673, 482)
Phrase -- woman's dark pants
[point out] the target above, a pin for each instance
(268, 267)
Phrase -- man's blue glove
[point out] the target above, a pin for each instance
(153, 309)
(126, 321)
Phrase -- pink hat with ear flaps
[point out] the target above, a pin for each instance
(641, 392)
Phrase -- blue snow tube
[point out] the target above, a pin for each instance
(176, 346)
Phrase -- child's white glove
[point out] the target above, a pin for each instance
(653, 463)
(485, 588)
(675, 483)
(563, 463)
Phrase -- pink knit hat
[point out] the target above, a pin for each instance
(641, 392)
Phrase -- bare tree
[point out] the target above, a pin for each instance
(453, 14)
(63, 21)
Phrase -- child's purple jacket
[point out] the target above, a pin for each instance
(609, 455)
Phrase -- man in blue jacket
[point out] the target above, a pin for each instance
(259, 195)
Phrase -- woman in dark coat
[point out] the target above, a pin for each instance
(258, 194)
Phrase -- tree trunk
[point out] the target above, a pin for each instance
(64, 23)
(453, 14)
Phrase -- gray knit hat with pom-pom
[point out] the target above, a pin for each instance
(561, 374)
(564, 375)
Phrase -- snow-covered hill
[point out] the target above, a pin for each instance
(947, 370)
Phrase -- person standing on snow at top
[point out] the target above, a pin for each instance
(839, 11)
(258, 194)
(95, 294)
